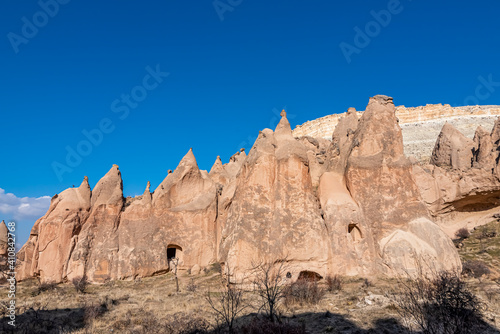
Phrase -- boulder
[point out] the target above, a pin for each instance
(452, 149)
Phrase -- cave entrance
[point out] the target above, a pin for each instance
(174, 252)
(309, 276)
(354, 232)
(171, 252)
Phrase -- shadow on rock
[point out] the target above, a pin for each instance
(51, 321)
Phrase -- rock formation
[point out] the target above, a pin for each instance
(420, 125)
(462, 175)
(3, 250)
(376, 220)
(353, 204)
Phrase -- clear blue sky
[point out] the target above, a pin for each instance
(229, 68)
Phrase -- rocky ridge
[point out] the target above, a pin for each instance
(353, 204)
(420, 125)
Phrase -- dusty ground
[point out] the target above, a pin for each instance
(362, 306)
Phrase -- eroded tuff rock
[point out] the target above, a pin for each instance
(374, 214)
(350, 205)
(452, 149)
(456, 181)
(3, 249)
(101, 236)
(420, 125)
(3, 239)
(273, 211)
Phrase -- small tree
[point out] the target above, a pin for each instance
(462, 233)
(80, 283)
(334, 283)
(229, 302)
(270, 283)
(174, 263)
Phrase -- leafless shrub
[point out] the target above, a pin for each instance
(303, 292)
(145, 322)
(475, 268)
(269, 281)
(142, 321)
(228, 303)
(173, 264)
(484, 234)
(191, 286)
(334, 283)
(80, 283)
(181, 323)
(366, 283)
(438, 304)
(42, 287)
(265, 326)
(462, 233)
(92, 312)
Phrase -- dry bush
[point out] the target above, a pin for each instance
(191, 286)
(228, 303)
(80, 283)
(42, 287)
(484, 234)
(366, 283)
(438, 304)
(91, 312)
(303, 292)
(265, 326)
(269, 282)
(475, 268)
(142, 321)
(462, 233)
(334, 283)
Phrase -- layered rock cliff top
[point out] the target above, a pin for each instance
(420, 125)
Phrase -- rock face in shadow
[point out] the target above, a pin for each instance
(353, 205)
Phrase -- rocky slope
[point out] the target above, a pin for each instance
(353, 204)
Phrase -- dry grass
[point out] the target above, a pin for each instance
(483, 244)
(152, 305)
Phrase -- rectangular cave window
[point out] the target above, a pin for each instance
(171, 252)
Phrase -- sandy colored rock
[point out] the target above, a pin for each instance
(372, 206)
(54, 236)
(274, 211)
(420, 125)
(3, 240)
(218, 173)
(483, 152)
(352, 205)
(452, 149)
